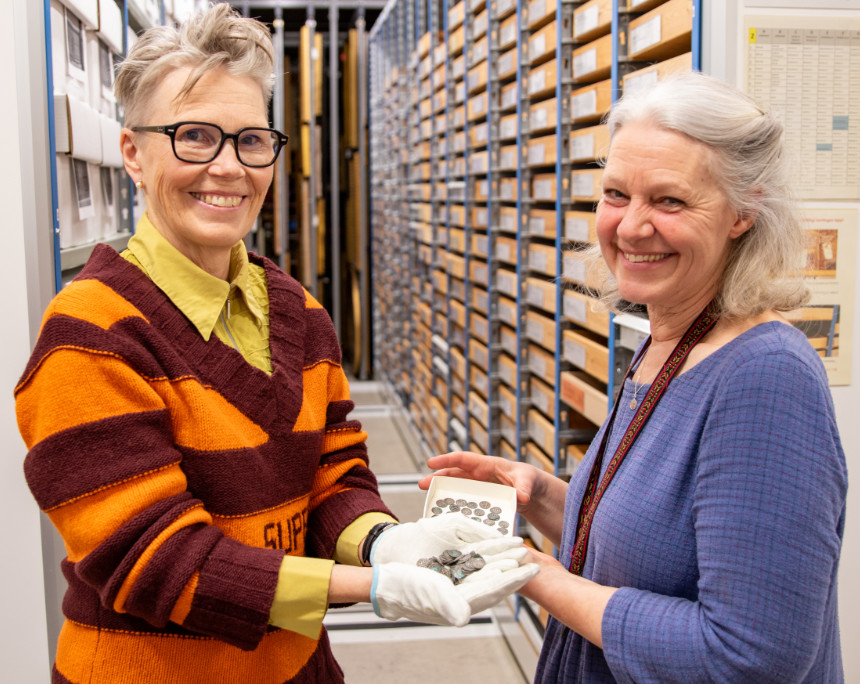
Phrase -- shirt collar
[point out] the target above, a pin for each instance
(199, 295)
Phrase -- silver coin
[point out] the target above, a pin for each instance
(495, 509)
(453, 507)
(504, 523)
(494, 516)
(436, 509)
(448, 501)
(503, 530)
(487, 521)
(485, 504)
(472, 504)
(466, 511)
(474, 564)
(460, 502)
(478, 511)
(441, 502)
(449, 556)
(426, 562)
(475, 518)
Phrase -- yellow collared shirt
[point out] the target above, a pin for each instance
(236, 311)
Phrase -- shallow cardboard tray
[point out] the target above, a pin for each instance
(504, 497)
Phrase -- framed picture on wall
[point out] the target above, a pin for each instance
(75, 58)
(106, 174)
(83, 191)
(106, 69)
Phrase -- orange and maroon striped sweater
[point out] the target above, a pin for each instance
(178, 475)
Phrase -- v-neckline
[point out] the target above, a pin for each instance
(266, 398)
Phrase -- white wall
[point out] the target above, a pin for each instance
(23, 629)
(723, 31)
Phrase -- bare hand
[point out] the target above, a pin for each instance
(471, 466)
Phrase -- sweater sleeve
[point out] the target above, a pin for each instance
(344, 487)
(103, 466)
(768, 514)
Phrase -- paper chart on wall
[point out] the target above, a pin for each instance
(828, 319)
(807, 70)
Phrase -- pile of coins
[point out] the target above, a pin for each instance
(456, 566)
(479, 511)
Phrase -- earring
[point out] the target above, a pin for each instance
(138, 184)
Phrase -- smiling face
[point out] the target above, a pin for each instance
(664, 224)
(201, 209)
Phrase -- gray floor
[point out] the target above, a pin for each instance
(374, 651)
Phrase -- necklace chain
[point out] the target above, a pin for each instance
(633, 403)
(636, 386)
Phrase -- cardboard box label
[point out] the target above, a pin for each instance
(534, 295)
(537, 46)
(585, 62)
(543, 189)
(582, 184)
(537, 261)
(576, 229)
(537, 365)
(587, 20)
(536, 154)
(584, 104)
(575, 309)
(537, 82)
(583, 147)
(541, 401)
(637, 82)
(645, 35)
(507, 283)
(575, 353)
(503, 251)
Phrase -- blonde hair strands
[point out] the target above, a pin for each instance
(218, 38)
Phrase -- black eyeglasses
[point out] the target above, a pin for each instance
(198, 142)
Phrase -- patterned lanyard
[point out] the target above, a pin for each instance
(593, 493)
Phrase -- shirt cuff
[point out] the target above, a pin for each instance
(349, 541)
(301, 595)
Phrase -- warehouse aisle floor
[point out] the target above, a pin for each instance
(375, 651)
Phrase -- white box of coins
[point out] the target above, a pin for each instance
(494, 505)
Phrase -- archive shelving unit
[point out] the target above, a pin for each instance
(485, 135)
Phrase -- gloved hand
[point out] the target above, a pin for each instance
(401, 590)
(409, 542)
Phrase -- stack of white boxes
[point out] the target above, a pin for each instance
(86, 40)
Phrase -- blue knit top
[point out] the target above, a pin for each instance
(722, 528)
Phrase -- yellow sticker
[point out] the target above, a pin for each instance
(752, 35)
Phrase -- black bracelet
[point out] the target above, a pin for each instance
(371, 537)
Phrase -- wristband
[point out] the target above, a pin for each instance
(371, 538)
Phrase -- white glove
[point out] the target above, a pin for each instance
(488, 586)
(401, 590)
(428, 537)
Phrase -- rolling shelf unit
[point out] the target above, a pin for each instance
(487, 205)
(74, 117)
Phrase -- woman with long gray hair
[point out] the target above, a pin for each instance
(700, 536)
